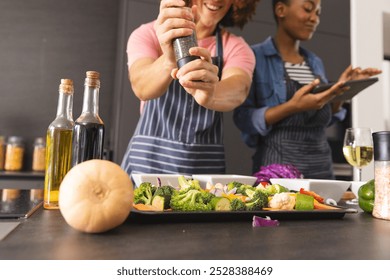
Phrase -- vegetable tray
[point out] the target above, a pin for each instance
(229, 216)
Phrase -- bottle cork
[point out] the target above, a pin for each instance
(92, 79)
(66, 86)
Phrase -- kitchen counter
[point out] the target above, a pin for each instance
(45, 235)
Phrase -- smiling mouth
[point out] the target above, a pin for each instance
(311, 28)
(212, 7)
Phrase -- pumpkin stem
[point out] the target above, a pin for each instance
(99, 192)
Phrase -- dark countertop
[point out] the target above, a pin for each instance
(45, 235)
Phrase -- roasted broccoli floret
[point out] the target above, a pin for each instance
(189, 199)
(206, 196)
(237, 205)
(258, 202)
(188, 183)
(274, 189)
(254, 205)
(243, 189)
(144, 193)
(233, 185)
(165, 192)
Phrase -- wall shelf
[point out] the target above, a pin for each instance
(22, 180)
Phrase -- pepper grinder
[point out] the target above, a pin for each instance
(382, 174)
(182, 45)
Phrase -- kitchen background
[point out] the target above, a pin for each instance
(42, 41)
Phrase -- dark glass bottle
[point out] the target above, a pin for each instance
(59, 145)
(88, 132)
(182, 45)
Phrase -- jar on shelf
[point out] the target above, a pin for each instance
(14, 154)
(36, 194)
(9, 195)
(2, 152)
(38, 162)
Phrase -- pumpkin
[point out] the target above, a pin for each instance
(95, 196)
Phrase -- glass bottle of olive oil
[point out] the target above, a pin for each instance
(88, 131)
(59, 145)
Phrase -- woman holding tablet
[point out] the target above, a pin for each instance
(282, 118)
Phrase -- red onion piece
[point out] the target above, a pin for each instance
(264, 222)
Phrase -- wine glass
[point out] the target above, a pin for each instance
(358, 149)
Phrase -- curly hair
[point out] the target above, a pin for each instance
(239, 13)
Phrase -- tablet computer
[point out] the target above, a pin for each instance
(355, 86)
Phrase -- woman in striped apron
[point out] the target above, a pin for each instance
(181, 126)
(281, 118)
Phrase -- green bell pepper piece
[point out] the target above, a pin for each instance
(304, 202)
(366, 196)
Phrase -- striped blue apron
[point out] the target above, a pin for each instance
(177, 135)
(299, 140)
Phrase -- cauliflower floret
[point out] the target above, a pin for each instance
(285, 201)
(219, 189)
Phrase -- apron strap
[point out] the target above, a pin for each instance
(218, 59)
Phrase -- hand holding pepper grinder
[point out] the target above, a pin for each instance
(182, 45)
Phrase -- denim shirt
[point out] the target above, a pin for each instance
(269, 89)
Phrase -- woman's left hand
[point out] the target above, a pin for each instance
(199, 77)
(354, 74)
(358, 73)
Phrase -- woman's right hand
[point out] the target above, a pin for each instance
(173, 21)
(358, 73)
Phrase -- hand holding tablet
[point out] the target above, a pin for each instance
(355, 86)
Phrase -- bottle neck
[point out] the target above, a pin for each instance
(65, 106)
(91, 100)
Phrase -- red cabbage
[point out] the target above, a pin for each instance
(277, 170)
(264, 222)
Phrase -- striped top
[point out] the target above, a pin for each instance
(299, 72)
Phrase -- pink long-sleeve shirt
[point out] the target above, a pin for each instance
(143, 43)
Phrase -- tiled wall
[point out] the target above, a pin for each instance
(42, 41)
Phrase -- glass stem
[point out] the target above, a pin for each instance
(359, 174)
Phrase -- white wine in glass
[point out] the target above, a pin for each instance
(359, 156)
(358, 149)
